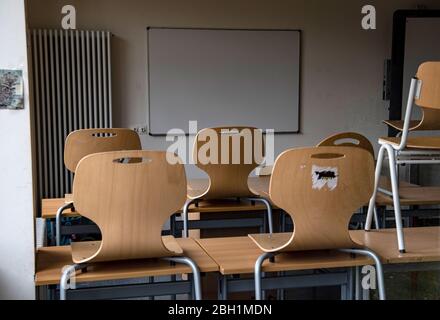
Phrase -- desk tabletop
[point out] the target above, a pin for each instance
(237, 255)
(412, 196)
(51, 260)
(422, 244)
(49, 208)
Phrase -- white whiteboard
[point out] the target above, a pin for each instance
(223, 77)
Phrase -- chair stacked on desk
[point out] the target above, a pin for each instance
(405, 149)
(236, 153)
(81, 143)
(319, 188)
(123, 193)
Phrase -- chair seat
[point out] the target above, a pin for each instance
(276, 241)
(423, 143)
(51, 260)
(197, 188)
(270, 242)
(237, 255)
(398, 124)
(83, 251)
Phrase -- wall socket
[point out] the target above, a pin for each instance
(141, 130)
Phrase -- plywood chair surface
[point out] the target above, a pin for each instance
(83, 142)
(228, 177)
(348, 139)
(398, 124)
(129, 202)
(428, 99)
(429, 74)
(430, 121)
(50, 262)
(319, 188)
(423, 143)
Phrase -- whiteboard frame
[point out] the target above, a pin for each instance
(229, 29)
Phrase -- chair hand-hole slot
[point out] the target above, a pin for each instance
(346, 141)
(104, 134)
(327, 156)
(231, 132)
(132, 160)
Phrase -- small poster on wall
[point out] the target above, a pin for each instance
(11, 89)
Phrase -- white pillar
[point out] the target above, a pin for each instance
(16, 181)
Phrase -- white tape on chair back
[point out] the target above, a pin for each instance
(324, 176)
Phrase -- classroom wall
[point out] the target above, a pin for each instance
(16, 191)
(342, 64)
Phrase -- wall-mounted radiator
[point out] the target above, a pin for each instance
(72, 90)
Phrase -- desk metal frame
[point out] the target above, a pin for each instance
(343, 277)
(124, 290)
(268, 216)
(137, 290)
(349, 279)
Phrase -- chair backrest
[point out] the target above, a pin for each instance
(348, 139)
(228, 155)
(81, 143)
(129, 201)
(320, 188)
(429, 96)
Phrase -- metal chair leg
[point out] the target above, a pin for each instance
(224, 287)
(66, 276)
(379, 269)
(372, 203)
(185, 217)
(58, 221)
(396, 198)
(357, 290)
(269, 211)
(257, 273)
(376, 218)
(195, 271)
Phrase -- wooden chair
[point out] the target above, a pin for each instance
(81, 143)
(404, 149)
(233, 154)
(320, 188)
(351, 139)
(129, 195)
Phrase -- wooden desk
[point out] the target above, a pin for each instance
(411, 196)
(422, 244)
(49, 208)
(256, 184)
(237, 255)
(385, 183)
(50, 261)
